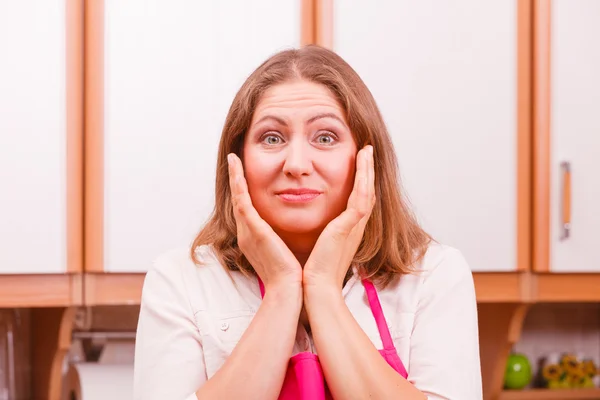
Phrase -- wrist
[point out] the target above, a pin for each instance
(319, 279)
(285, 294)
(321, 284)
(283, 282)
(321, 294)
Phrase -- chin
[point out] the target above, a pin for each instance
(299, 223)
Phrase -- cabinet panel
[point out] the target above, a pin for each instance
(41, 200)
(170, 72)
(575, 134)
(445, 77)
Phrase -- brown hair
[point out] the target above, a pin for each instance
(393, 240)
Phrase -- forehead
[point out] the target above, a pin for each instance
(297, 98)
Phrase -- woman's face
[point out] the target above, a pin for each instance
(299, 158)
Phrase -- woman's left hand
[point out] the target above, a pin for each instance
(334, 251)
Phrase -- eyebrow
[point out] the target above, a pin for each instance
(326, 115)
(282, 121)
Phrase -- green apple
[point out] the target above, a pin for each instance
(518, 372)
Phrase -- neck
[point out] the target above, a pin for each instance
(300, 244)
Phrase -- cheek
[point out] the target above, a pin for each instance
(340, 173)
(258, 171)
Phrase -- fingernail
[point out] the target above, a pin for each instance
(370, 149)
(229, 158)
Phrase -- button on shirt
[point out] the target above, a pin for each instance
(192, 316)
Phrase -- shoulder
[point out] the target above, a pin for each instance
(442, 269)
(207, 284)
(444, 272)
(443, 262)
(175, 270)
(178, 262)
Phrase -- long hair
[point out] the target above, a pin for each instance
(393, 241)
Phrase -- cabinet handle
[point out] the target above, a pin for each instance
(565, 167)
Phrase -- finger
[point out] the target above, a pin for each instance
(233, 182)
(240, 185)
(367, 193)
(231, 172)
(237, 185)
(358, 168)
(358, 178)
(344, 224)
(363, 202)
(236, 174)
(372, 195)
(243, 208)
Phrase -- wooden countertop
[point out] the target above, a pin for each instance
(55, 290)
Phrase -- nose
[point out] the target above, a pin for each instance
(298, 160)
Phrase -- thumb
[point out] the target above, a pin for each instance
(341, 227)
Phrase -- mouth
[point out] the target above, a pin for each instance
(298, 195)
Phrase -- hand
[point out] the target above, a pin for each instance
(272, 260)
(330, 259)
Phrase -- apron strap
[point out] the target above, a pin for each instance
(377, 311)
(261, 285)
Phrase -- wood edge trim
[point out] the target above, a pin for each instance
(541, 135)
(62, 347)
(76, 285)
(94, 136)
(307, 22)
(529, 287)
(324, 23)
(89, 289)
(74, 133)
(551, 394)
(499, 328)
(516, 323)
(567, 288)
(500, 287)
(513, 332)
(50, 341)
(40, 290)
(113, 288)
(524, 132)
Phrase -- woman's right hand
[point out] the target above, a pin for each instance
(272, 260)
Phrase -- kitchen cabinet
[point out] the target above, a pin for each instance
(567, 102)
(452, 80)
(41, 136)
(41, 179)
(160, 77)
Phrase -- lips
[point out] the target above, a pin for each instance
(298, 195)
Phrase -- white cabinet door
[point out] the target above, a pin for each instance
(171, 70)
(444, 74)
(33, 137)
(575, 133)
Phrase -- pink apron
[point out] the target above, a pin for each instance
(304, 378)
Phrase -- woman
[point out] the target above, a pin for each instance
(312, 280)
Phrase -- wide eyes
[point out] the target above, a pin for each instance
(325, 139)
(321, 138)
(272, 140)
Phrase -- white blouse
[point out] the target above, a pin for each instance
(191, 318)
